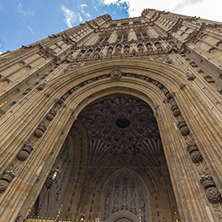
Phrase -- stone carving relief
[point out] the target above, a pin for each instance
(211, 190)
(6, 180)
(96, 53)
(122, 125)
(118, 49)
(109, 51)
(88, 53)
(163, 59)
(194, 153)
(140, 48)
(126, 50)
(191, 76)
(41, 86)
(158, 46)
(125, 190)
(39, 131)
(24, 152)
(149, 47)
(116, 73)
(144, 47)
(175, 110)
(183, 128)
(80, 54)
(209, 79)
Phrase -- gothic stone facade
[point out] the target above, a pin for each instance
(128, 114)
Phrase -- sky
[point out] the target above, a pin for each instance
(23, 22)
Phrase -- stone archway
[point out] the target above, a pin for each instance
(129, 151)
(77, 88)
(122, 216)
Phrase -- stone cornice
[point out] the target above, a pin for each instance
(122, 55)
(193, 35)
(68, 40)
(127, 27)
(176, 26)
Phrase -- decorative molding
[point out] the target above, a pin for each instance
(5, 180)
(24, 152)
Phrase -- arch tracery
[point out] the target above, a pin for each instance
(124, 192)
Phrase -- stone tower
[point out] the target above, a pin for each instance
(119, 120)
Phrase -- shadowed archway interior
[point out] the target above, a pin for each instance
(112, 162)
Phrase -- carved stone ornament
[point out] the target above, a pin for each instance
(27, 91)
(175, 110)
(213, 195)
(5, 180)
(158, 84)
(191, 77)
(207, 181)
(168, 95)
(163, 59)
(39, 131)
(128, 130)
(50, 116)
(24, 153)
(41, 86)
(116, 73)
(209, 79)
(196, 156)
(191, 148)
(71, 91)
(194, 153)
(183, 128)
(5, 79)
(61, 100)
(3, 185)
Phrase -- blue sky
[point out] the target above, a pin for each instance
(25, 21)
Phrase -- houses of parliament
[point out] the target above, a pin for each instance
(114, 121)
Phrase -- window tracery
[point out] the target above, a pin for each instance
(122, 37)
(125, 190)
(103, 40)
(141, 35)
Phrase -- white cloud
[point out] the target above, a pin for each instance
(208, 9)
(108, 2)
(30, 29)
(23, 12)
(185, 3)
(1, 49)
(80, 18)
(95, 8)
(70, 16)
(83, 12)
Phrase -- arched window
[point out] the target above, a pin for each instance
(141, 35)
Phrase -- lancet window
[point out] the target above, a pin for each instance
(122, 37)
(103, 40)
(141, 35)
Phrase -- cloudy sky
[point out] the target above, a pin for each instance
(25, 21)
